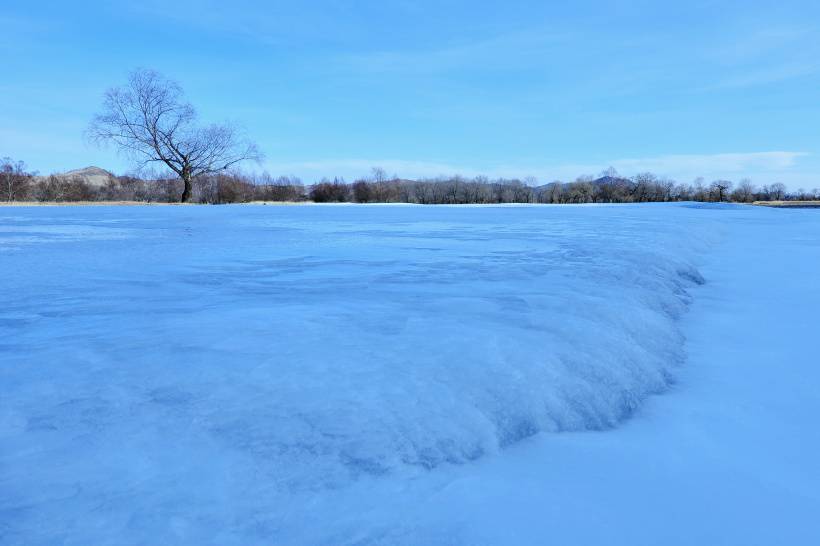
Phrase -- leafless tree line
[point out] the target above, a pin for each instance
(18, 184)
(609, 187)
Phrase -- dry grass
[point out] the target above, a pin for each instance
(277, 203)
(789, 204)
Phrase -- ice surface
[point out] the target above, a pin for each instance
(173, 371)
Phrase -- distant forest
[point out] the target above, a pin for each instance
(18, 184)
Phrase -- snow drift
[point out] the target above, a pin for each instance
(315, 345)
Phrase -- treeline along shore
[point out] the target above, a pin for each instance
(18, 184)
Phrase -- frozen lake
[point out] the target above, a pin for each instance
(261, 374)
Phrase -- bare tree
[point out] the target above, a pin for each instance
(149, 120)
(609, 172)
(719, 188)
(379, 174)
(555, 190)
(642, 186)
(15, 180)
(745, 191)
(777, 191)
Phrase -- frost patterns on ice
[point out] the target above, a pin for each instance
(303, 347)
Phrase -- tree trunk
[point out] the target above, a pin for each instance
(186, 193)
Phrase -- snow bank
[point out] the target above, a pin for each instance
(152, 356)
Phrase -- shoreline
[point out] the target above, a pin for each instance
(788, 204)
(13, 204)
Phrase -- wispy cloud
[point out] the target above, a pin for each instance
(745, 44)
(724, 163)
(768, 75)
(527, 47)
(764, 55)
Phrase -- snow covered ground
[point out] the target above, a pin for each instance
(409, 375)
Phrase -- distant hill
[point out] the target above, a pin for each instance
(610, 180)
(93, 176)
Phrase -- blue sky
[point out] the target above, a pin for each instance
(545, 89)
